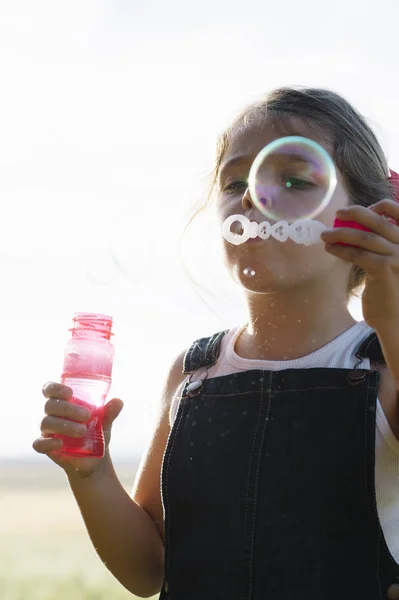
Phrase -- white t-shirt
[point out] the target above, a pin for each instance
(339, 353)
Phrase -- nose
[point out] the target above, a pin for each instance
(247, 202)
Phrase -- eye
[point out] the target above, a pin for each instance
(296, 183)
(235, 186)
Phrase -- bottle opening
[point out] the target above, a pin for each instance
(93, 324)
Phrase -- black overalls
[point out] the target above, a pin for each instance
(268, 485)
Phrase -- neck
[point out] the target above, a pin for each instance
(289, 324)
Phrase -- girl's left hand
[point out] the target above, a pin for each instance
(377, 253)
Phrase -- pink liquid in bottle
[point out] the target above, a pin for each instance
(87, 371)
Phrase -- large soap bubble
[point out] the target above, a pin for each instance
(292, 178)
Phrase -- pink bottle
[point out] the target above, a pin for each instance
(87, 370)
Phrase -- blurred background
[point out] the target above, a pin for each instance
(109, 112)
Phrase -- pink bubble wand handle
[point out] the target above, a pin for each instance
(355, 225)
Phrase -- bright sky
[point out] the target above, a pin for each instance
(109, 114)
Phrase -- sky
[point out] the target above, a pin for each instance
(109, 113)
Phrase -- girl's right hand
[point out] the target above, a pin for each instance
(65, 418)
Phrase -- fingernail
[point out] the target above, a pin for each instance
(389, 218)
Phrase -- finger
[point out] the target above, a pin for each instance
(68, 410)
(388, 207)
(111, 411)
(46, 445)
(52, 389)
(369, 261)
(63, 427)
(374, 218)
(365, 240)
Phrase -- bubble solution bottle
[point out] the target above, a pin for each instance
(88, 361)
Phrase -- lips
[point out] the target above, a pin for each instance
(255, 240)
(237, 228)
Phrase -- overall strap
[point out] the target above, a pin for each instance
(370, 348)
(203, 352)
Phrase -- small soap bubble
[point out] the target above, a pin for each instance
(248, 272)
(292, 178)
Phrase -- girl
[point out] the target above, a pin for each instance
(273, 472)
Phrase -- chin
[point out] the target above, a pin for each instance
(261, 281)
(280, 277)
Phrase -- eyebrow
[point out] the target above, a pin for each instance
(241, 159)
(299, 158)
(237, 160)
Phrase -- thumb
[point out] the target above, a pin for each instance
(111, 411)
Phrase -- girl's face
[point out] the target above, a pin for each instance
(277, 265)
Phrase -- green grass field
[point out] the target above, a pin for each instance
(45, 551)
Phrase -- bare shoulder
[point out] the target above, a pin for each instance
(388, 397)
(147, 489)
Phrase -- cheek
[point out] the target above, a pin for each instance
(228, 205)
(339, 200)
(221, 214)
